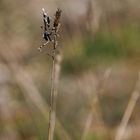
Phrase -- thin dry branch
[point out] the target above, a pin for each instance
(56, 66)
(50, 35)
(54, 91)
(129, 110)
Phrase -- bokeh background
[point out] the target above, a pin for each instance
(99, 82)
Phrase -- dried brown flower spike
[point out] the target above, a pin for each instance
(56, 24)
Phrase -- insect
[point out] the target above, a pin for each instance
(50, 33)
(47, 32)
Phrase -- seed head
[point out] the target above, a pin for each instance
(57, 18)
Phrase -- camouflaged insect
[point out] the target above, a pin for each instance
(48, 31)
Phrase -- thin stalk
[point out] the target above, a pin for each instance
(48, 34)
(56, 66)
(128, 112)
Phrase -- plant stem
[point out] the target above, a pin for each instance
(56, 66)
(129, 110)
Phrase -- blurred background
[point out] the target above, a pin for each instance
(99, 83)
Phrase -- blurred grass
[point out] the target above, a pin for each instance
(106, 46)
(82, 52)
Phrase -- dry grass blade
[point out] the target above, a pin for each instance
(129, 110)
(56, 66)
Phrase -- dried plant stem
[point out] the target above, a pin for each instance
(33, 96)
(31, 93)
(56, 66)
(128, 112)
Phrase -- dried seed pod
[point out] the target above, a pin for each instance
(57, 18)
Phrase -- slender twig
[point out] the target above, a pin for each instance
(48, 34)
(129, 110)
(54, 91)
